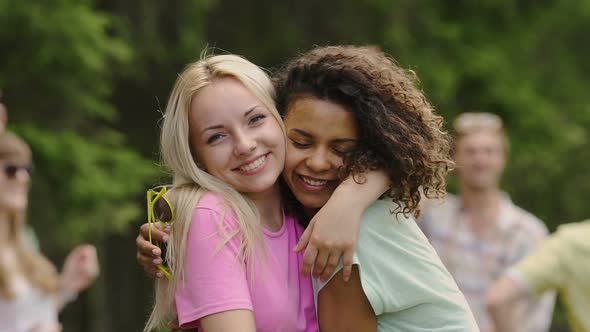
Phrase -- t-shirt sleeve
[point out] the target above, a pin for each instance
(398, 267)
(378, 233)
(214, 277)
(542, 270)
(375, 300)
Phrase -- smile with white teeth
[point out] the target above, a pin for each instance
(253, 165)
(313, 182)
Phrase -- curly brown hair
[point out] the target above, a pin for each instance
(399, 130)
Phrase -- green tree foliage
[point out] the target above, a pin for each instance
(56, 71)
(85, 81)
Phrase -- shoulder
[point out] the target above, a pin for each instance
(573, 232)
(528, 222)
(382, 216)
(385, 208)
(448, 202)
(439, 212)
(384, 227)
(212, 211)
(215, 203)
(211, 201)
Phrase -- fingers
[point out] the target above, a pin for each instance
(148, 257)
(153, 272)
(144, 247)
(148, 254)
(309, 258)
(304, 240)
(347, 260)
(320, 262)
(86, 253)
(89, 259)
(158, 234)
(330, 266)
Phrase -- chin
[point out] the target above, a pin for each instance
(482, 185)
(312, 202)
(259, 186)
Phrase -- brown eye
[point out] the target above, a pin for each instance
(300, 145)
(340, 152)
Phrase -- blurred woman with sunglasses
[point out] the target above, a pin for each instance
(28, 281)
(31, 290)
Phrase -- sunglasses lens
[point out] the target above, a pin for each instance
(10, 171)
(162, 210)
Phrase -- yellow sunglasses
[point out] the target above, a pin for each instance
(161, 211)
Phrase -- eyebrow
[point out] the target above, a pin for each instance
(301, 132)
(308, 135)
(221, 126)
(345, 140)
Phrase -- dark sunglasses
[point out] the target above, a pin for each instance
(11, 170)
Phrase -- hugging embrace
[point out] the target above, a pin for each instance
(341, 142)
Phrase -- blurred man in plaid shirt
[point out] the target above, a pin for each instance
(480, 233)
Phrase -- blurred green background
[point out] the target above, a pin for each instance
(84, 82)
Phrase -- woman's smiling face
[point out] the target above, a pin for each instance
(235, 138)
(319, 134)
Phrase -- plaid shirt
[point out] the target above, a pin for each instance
(476, 263)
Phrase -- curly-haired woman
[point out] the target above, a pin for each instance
(348, 110)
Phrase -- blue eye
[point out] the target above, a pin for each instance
(257, 118)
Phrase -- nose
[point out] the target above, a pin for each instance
(245, 143)
(319, 161)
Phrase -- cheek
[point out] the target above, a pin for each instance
(281, 145)
(338, 162)
(294, 158)
(499, 162)
(213, 159)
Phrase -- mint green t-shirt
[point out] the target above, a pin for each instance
(403, 278)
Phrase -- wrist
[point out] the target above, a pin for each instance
(354, 196)
(67, 295)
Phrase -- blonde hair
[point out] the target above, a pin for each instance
(33, 266)
(191, 182)
(475, 122)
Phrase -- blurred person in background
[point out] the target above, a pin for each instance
(3, 116)
(562, 263)
(480, 233)
(31, 290)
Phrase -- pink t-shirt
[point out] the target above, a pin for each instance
(216, 281)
